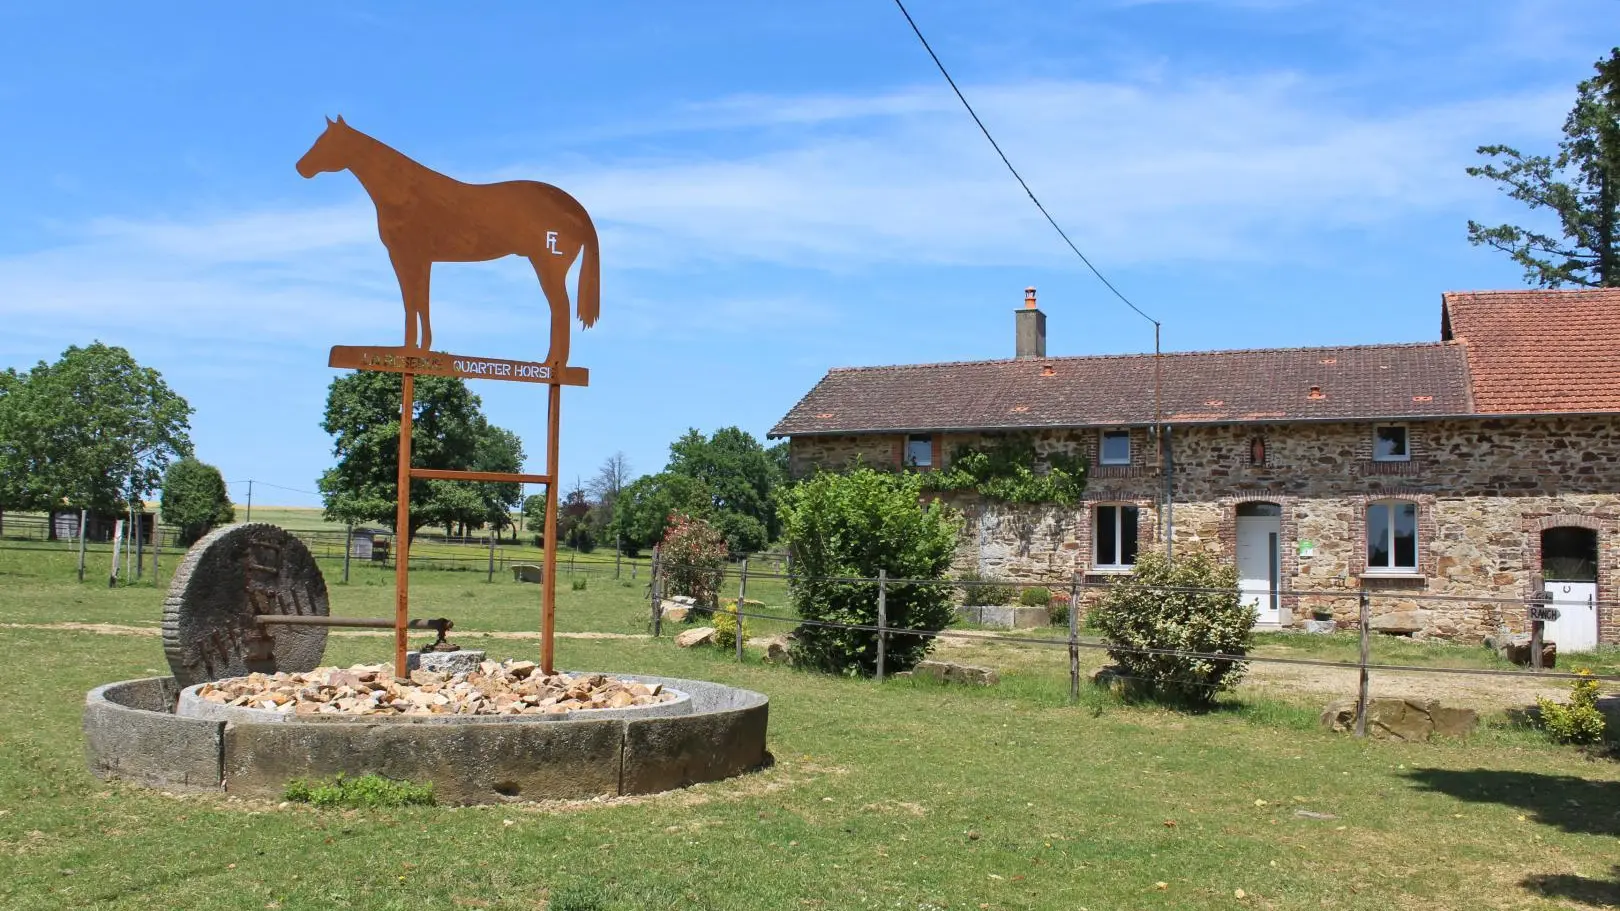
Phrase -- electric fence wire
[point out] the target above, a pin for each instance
(1016, 176)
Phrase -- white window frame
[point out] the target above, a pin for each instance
(927, 439)
(1119, 538)
(1102, 447)
(1391, 504)
(1406, 438)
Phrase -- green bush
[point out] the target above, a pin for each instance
(365, 791)
(724, 620)
(692, 559)
(851, 526)
(1575, 721)
(978, 593)
(581, 584)
(195, 499)
(1153, 609)
(1035, 597)
(1057, 610)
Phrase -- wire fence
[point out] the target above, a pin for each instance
(1076, 591)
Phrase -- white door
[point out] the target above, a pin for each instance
(1259, 563)
(1575, 630)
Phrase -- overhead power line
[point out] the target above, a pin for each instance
(1021, 182)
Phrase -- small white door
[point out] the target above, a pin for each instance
(1259, 561)
(1575, 630)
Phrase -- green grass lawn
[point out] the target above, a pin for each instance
(904, 795)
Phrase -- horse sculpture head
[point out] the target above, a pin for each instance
(331, 151)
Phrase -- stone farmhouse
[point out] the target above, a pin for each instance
(1484, 466)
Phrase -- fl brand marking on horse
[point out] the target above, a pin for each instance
(424, 217)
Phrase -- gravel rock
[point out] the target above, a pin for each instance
(493, 688)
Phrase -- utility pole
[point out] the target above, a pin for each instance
(249, 502)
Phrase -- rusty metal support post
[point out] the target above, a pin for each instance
(548, 594)
(883, 621)
(1365, 625)
(402, 527)
(653, 584)
(742, 592)
(1074, 638)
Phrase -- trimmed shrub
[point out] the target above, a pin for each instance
(195, 499)
(1575, 721)
(851, 526)
(1035, 597)
(724, 620)
(1153, 609)
(580, 585)
(692, 558)
(978, 593)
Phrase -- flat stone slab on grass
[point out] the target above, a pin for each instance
(703, 635)
(947, 672)
(1402, 719)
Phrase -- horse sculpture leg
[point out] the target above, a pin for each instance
(553, 276)
(413, 278)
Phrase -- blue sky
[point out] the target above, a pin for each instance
(780, 188)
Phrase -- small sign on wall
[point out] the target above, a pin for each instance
(1307, 547)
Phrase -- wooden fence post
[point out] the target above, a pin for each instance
(657, 597)
(742, 592)
(1074, 638)
(1366, 654)
(883, 621)
(84, 518)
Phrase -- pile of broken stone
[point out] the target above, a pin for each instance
(495, 688)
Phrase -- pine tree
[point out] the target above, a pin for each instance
(1581, 185)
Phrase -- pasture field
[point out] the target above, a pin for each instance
(902, 795)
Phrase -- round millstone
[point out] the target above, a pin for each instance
(229, 577)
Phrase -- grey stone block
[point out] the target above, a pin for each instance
(724, 736)
(130, 733)
(462, 662)
(467, 763)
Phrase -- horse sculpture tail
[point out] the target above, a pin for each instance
(590, 278)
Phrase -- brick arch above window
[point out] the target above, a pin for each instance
(1605, 525)
(1427, 528)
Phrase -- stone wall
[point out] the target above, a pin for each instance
(1485, 490)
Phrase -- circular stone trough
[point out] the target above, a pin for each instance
(134, 733)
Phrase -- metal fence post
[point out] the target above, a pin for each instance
(348, 548)
(618, 553)
(1074, 638)
(1366, 654)
(883, 621)
(491, 576)
(742, 592)
(657, 599)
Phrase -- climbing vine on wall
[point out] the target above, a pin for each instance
(1005, 471)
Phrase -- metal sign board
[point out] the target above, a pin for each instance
(434, 363)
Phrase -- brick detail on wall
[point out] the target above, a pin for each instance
(1427, 532)
(1605, 525)
(1287, 539)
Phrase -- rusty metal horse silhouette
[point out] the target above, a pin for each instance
(425, 217)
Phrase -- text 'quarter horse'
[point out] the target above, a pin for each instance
(425, 217)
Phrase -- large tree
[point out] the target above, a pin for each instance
(1580, 186)
(448, 431)
(727, 478)
(195, 499)
(95, 430)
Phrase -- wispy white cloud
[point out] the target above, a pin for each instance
(1141, 172)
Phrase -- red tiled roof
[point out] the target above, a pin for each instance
(1358, 382)
(1538, 351)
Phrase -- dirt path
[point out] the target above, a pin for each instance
(1476, 691)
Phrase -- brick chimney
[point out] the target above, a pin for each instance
(1031, 328)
